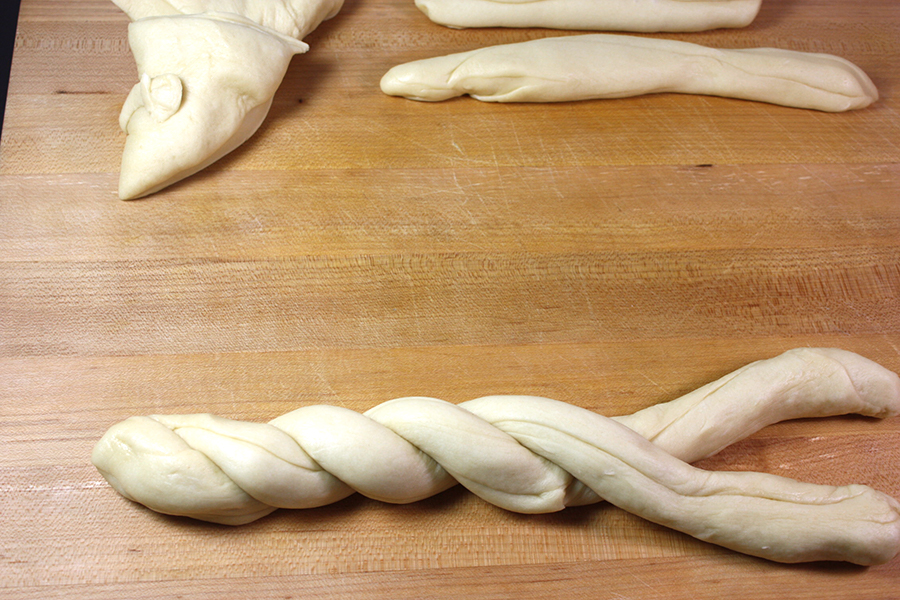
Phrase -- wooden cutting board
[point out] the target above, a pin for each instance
(611, 254)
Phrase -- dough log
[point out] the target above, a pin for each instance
(606, 15)
(591, 66)
(535, 455)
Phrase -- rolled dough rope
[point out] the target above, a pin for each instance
(799, 384)
(591, 66)
(607, 15)
(532, 455)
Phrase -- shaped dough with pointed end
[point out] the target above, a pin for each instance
(534, 455)
(293, 18)
(206, 84)
(590, 66)
(607, 15)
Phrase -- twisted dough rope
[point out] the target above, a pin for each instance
(536, 455)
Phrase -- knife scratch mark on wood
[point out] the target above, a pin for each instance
(650, 379)
(893, 346)
(818, 178)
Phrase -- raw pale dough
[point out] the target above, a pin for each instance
(206, 84)
(208, 71)
(607, 15)
(293, 18)
(800, 383)
(582, 67)
(535, 455)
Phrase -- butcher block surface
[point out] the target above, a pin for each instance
(612, 254)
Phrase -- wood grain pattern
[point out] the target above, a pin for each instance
(612, 254)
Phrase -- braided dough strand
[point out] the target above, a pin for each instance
(535, 455)
(755, 513)
(801, 383)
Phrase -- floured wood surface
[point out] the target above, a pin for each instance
(611, 254)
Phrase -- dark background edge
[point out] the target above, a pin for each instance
(9, 18)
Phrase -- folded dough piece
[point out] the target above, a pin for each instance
(607, 15)
(582, 67)
(293, 18)
(208, 71)
(206, 84)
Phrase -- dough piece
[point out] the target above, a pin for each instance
(532, 455)
(802, 383)
(293, 18)
(208, 71)
(206, 84)
(755, 513)
(583, 67)
(607, 15)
